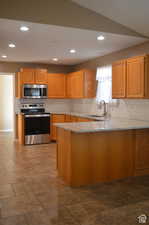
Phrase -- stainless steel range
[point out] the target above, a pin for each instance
(36, 124)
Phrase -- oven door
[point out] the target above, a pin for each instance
(37, 129)
(34, 91)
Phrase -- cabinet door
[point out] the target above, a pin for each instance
(142, 150)
(90, 83)
(41, 76)
(27, 76)
(56, 85)
(68, 86)
(81, 119)
(68, 118)
(56, 118)
(74, 118)
(77, 84)
(135, 77)
(119, 79)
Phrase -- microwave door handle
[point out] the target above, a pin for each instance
(41, 92)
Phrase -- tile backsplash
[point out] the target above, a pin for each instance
(51, 105)
(128, 108)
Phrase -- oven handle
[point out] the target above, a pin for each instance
(39, 115)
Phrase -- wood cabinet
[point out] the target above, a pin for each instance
(68, 119)
(61, 118)
(56, 85)
(88, 158)
(69, 86)
(56, 118)
(81, 84)
(74, 119)
(33, 76)
(29, 76)
(136, 77)
(130, 78)
(142, 152)
(82, 119)
(20, 129)
(119, 79)
(41, 76)
(77, 84)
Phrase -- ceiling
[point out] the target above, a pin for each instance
(131, 13)
(43, 42)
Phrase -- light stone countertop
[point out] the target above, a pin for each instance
(83, 115)
(101, 126)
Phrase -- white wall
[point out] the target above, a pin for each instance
(6, 103)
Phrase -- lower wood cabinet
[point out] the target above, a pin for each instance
(142, 152)
(81, 119)
(56, 118)
(89, 158)
(64, 118)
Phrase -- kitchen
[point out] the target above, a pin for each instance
(76, 159)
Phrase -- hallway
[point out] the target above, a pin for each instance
(32, 194)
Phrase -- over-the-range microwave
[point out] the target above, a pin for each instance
(35, 91)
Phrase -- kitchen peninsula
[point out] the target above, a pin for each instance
(92, 152)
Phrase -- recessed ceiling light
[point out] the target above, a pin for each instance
(11, 45)
(4, 56)
(24, 28)
(55, 59)
(101, 37)
(72, 51)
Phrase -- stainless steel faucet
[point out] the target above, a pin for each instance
(102, 102)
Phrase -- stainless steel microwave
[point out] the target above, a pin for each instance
(35, 91)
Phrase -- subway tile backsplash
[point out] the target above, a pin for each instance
(127, 108)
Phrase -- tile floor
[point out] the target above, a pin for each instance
(32, 194)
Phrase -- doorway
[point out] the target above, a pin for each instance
(7, 103)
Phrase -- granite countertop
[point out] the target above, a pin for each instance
(107, 125)
(83, 115)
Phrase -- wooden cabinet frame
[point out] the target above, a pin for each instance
(134, 74)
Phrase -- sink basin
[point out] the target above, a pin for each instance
(95, 116)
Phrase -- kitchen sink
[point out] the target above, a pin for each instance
(95, 116)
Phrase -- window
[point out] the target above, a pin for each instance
(104, 88)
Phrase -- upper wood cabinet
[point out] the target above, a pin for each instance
(119, 79)
(81, 84)
(136, 77)
(41, 76)
(27, 76)
(130, 78)
(56, 85)
(33, 76)
(77, 84)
